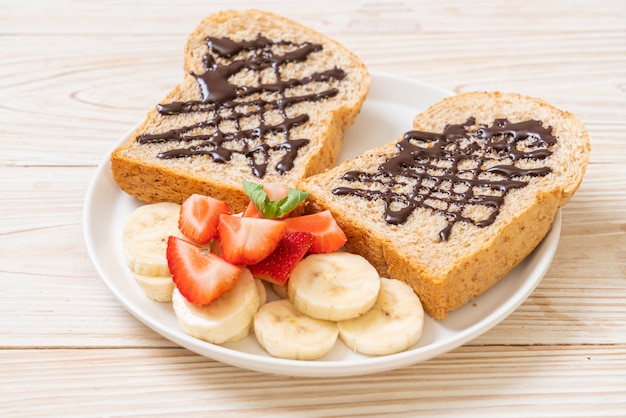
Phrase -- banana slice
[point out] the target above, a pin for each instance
(262, 291)
(144, 237)
(260, 287)
(286, 333)
(394, 324)
(280, 290)
(157, 288)
(333, 286)
(227, 318)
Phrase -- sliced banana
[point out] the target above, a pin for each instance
(286, 333)
(280, 290)
(262, 291)
(240, 335)
(260, 287)
(157, 288)
(333, 286)
(393, 324)
(226, 319)
(144, 237)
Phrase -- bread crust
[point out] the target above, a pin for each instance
(448, 274)
(140, 173)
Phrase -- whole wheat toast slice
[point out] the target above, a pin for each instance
(264, 99)
(457, 202)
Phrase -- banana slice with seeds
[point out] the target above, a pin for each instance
(333, 286)
(287, 333)
(394, 323)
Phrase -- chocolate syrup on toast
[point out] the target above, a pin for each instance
(450, 172)
(227, 104)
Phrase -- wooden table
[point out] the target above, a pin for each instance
(75, 76)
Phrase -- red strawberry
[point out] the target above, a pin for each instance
(275, 191)
(277, 267)
(329, 236)
(200, 276)
(199, 215)
(248, 240)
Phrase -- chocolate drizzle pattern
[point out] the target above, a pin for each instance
(464, 171)
(220, 134)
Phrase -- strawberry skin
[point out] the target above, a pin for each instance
(247, 241)
(328, 234)
(200, 276)
(199, 216)
(277, 267)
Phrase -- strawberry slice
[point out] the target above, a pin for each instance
(277, 267)
(201, 276)
(251, 211)
(275, 192)
(248, 240)
(329, 236)
(199, 215)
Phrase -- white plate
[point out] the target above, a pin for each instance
(386, 114)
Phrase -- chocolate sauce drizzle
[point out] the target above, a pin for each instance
(219, 135)
(453, 172)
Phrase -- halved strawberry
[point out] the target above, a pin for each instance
(248, 240)
(277, 267)
(200, 276)
(275, 192)
(199, 215)
(329, 236)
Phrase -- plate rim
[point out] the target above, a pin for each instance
(542, 255)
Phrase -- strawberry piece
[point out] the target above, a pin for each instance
(248, 240)
(328, 234)
(200, 276)
(199, 215)
(275, 191)
(251, 211)
(277, 267)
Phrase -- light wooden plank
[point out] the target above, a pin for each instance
(498, 381)
(149, 17)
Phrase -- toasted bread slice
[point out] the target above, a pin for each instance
(265, 99)
(474, 190)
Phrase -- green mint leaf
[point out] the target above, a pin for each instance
(259, 198)
(255, 192)
(271, 209)
(289, 203)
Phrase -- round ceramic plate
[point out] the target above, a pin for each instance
(387, 113)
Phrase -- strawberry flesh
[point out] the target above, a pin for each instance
(199, 217)
(247, 241)
(275, 191)
(200, 276)
(329, 236)
(277, 267)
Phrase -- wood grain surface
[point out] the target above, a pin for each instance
(75, 76)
